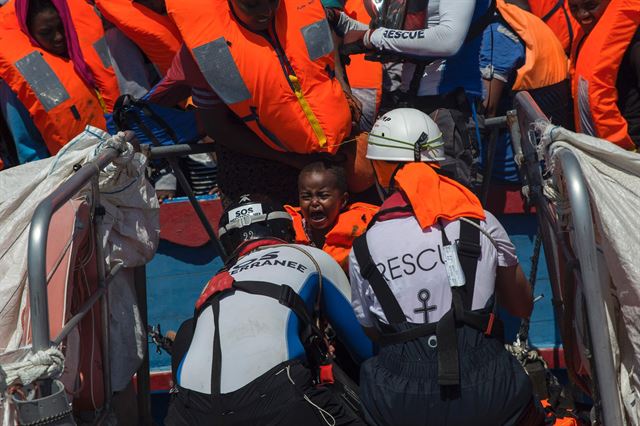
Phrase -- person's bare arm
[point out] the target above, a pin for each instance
(493, 89)
(513, 291)
(236, 136)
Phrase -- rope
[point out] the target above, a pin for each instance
(45, 364)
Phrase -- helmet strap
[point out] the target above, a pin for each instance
(417, 146)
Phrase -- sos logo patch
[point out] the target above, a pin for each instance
(247, 210)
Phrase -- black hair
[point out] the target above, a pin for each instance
(326, 166)
(37, 6)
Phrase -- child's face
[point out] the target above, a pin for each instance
(320, 199)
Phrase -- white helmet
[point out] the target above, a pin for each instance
(405, 134)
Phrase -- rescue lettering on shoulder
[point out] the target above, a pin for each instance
(403, 34)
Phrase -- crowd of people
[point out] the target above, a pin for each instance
(358, 133)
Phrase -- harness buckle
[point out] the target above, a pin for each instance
(489, 328)
(469, 249)
(287, 295)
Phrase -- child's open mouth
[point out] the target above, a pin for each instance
(317, 218)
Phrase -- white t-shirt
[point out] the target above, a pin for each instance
(411, 262)
(256, 332)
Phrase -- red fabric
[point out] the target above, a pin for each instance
(221, 282)
(326, 374)
(73, 45)
(252, 245)
(433, 196)
(179, 223)
(397, 199)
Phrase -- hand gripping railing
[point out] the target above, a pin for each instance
(584, 248)
(36, 262)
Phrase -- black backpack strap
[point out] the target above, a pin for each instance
(469, 252)
(216, 364)
(395, 337)
(283, 293)
(368, 269)
(461, 299)
(553, 10)
(312, 337)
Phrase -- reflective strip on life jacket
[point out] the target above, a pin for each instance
(155, 34)
(545, 61)
(595, 62)
(57, 99)
(280, 82)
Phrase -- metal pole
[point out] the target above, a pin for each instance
(585, 247)
(37, 250)
(184, 184)
(488, 167)
(143, 376)
(101, 267)
(166, 151)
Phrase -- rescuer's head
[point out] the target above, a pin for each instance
(400, 136)
(253, 217)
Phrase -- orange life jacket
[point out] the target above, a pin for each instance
(155, 34)
(541, 48)
(95, 50)
(282, 86)
(350, 224)
(433, 196)
(363, 75)
(595, 62)
(59, 102)
(555, 13)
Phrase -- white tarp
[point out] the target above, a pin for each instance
(612, 176)
(130, 231)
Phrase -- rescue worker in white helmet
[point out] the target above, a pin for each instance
(253, 355)
(424, 279)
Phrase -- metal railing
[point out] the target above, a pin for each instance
(37, 260)
(581, 251)
(37, 256)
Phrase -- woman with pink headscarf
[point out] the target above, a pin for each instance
(48, 99)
